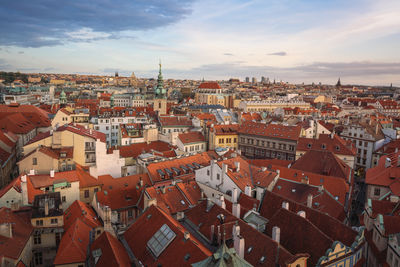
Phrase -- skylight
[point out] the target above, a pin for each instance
(160, 240)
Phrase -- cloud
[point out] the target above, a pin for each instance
(228, 54)
(281, 54)
(4, 65)
(353, 72)
(48, 23)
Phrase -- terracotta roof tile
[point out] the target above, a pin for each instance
(271, 130)
(191, 137)
(147, 224)
(113, 252)
(209, 85)
(21, 232)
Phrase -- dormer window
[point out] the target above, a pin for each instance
(337, 148)
(323, 146)
(309, 145)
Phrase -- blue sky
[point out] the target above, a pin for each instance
(289, 40)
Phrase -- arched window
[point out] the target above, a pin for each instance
(229, 192)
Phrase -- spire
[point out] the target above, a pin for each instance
(160, 91)
(338, 84)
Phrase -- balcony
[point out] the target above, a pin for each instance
(90, 148)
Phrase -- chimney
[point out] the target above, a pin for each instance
(247, 190)
(222, 202)
(285, 205)
(24, 189)
(305, 180)
(186, 235)
(107, 220)
(276, 234)
(90, 131)
(209, 204)
(6, 230)
(32, 172)
(309, 200)
(237, 166)
(141, 182)
(51, 173)
(224, 169)
(236, 210)
(377, 128)
(180, 215)
(212, 231)
(234, 195)
(302, 213)
(46, 206)
(163, 189)
(263, 169)
(239, 246)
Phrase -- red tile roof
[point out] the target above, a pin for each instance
(202, 159)
(270, 130)
(209, 85)
(113, 252)
(83, 212)
(147, 224)
(44, 180)
(124, 192)
(16, 123)
(254, 177)
(326, 142)
(35, 115)
(175, 120)
(324, 163)
(134, 150)
(21, 232)
(261, 245)
(316, 230)
(73, 245)
(334, 185)
(386, 176)
(191, 137)
(223, 129)
(322, 200)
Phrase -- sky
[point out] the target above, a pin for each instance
(290, 40)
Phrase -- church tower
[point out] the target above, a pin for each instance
(160, 99)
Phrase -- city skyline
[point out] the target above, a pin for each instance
(294, 41)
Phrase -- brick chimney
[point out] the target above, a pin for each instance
(51, 173)
(285, 205)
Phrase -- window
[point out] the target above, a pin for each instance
(218, 176)
(160, 240)
(208, 172)
(37, 239)
(221, 141)
(86, 193)
(39, 222)
(54, 221)
(38, 258)
(64, 199)
(130, 213)
(234, 140)
(34, 161)
(377, 191)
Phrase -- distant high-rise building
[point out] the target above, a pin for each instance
(254, 80)
(263, 79)
(116, 74)
(338, 84)
(247, 79)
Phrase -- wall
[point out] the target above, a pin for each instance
(44, 164)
